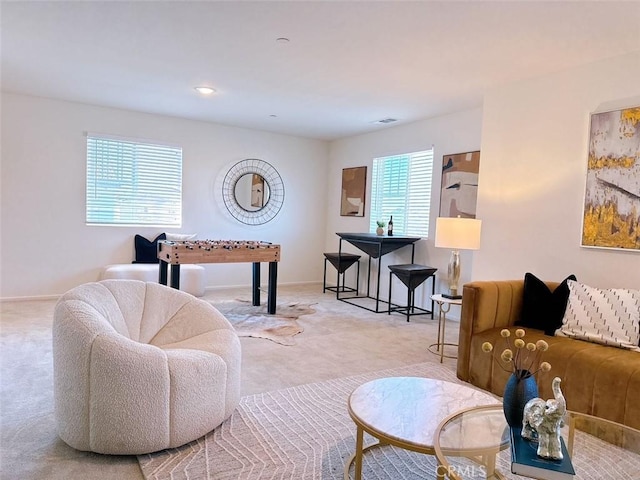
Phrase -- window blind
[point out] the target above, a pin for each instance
(133, 183)
(401, 186)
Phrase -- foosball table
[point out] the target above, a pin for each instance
(222, 251)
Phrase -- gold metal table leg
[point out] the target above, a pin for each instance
(358, 472)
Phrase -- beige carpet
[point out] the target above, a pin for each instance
(254, 321)
(339, 340)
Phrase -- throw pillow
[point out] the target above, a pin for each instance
(147, 250)
(180, 237)
(542, 308)
(610, 317)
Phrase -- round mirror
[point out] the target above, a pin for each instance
(253, 192)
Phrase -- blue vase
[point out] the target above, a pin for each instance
(520, 388)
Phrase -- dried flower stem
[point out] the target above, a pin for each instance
(523, 364)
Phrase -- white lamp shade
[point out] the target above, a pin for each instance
(458, 233)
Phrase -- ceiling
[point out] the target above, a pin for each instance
(346, 64)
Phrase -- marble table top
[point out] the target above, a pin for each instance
(406, 410)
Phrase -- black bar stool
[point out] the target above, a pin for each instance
(341, 261)
(412, 275)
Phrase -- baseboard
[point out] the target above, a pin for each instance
(214, 288)
(31, 298)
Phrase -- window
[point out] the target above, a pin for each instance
(401, 186)
(132, 182)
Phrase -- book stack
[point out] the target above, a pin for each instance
(525, 460)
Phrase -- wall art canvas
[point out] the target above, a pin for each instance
(459, 188)
(611, 217)
(354, 183)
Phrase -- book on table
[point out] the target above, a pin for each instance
(525, 460)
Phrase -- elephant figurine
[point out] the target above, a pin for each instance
(542, 421)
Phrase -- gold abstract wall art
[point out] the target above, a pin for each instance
(354, 182)
(611, 217)
(459, 189)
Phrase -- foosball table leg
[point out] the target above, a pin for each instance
(273, 283)
(162, 276)
(175, 276)
(255, 284)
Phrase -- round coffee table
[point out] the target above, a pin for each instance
(405, 411)
(474, 443)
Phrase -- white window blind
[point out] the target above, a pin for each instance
(401, 186)
(133, 182)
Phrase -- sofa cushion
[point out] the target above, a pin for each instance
(596, 379)
(147, 250)
(543, 308)
(606, 316)
(192, 277)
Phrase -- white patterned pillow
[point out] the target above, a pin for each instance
(610, 317)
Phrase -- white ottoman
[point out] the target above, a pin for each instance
(140, 367)
(192, 278)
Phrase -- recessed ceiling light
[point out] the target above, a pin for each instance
(205, 90)
(273, 116)
(282, 40)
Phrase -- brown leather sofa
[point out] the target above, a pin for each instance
(598, 380)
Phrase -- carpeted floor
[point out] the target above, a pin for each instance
(339, 340)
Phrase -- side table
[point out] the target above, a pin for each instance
(444, 305)
(598, 448)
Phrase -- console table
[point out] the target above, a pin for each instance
(222, 251)
(375, 246)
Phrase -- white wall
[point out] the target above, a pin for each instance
(533, 141)
(456, 133)
(46, 248)
(532, 175)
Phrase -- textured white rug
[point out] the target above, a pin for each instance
(297, 433)
(305, 433)
(250, 321)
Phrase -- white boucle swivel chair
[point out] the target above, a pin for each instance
(140, 367)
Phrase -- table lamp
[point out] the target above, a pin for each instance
(458, 234)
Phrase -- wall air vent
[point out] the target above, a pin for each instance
(387, 120)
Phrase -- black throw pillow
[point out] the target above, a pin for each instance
(543, 309)
(146, 250)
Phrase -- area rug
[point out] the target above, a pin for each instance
(254, 321)
(305, 433)
(297, 433)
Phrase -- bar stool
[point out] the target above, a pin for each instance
(341, 261)
(412, 275)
